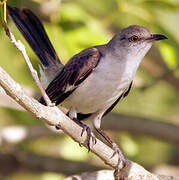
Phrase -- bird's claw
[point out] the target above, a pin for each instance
(121, 161)
(116, 150)
(57, 127)
(90, 136)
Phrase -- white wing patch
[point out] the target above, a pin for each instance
(69, 88)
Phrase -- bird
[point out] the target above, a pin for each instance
(93, 81)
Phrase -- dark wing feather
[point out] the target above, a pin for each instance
(122, 95)
(128, 90)
(75, 72)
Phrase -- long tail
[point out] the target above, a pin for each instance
(34, 32)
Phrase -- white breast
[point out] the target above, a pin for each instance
(103, 87)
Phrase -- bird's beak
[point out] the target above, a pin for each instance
(157, 37)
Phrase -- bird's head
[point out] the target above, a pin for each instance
(135, 40)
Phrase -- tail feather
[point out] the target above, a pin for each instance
(34, 32)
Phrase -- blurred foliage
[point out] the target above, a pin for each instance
(73, 25)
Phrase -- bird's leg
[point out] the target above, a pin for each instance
(121, 160)
(90, 136)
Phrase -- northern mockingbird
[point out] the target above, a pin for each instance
(94, 80)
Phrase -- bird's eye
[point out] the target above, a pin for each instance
(134, 38)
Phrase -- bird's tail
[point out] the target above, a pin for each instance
(34, 32)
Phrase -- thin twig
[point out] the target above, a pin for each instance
(22, 49)
(163, 76)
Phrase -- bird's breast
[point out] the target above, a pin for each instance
(102, 88)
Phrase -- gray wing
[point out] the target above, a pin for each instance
(74, 73)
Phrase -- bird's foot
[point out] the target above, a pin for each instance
(90, 136)
(121, 161)
(57, 127)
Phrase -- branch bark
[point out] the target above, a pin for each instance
(115, 122)
(107, 174)
(140, 125)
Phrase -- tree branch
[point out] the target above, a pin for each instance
(157, 68)
(54, 117)
(117, 122)
(11, 162)
(140, 125)
(107, 175)
(21, 48)
(13, 135)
